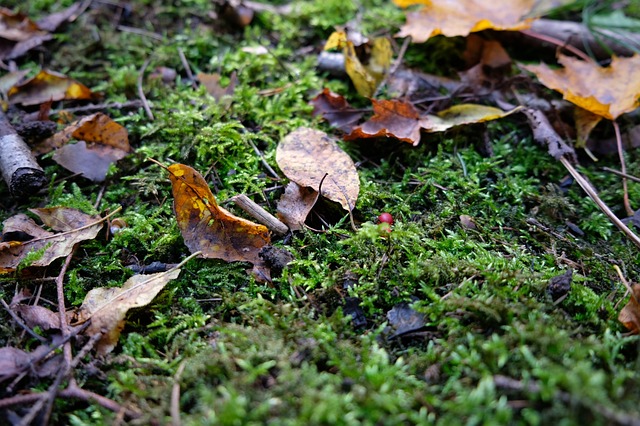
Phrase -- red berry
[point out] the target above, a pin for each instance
(385, 218)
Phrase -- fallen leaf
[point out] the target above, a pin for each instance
(19, 34)
(37, 316)
(630, 315)
(306, 155)
(606, 91)
(54, 245)
(403, 319)
(400, 120)
(586, 121)
(366, 77)
(295, 204)
(12, 361)
(212, 83)
(461, 17)
(108, 143)
(53, 21)
(464, 114)
(207, 227)
(336, 110)
(391, 118)
(49, 86)
(486, 52)
(107, 307)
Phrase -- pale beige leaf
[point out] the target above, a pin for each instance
(306, 155)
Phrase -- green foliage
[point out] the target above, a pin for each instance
(244, 352)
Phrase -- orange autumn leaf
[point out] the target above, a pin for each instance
(462, 17)
(49, 86)
(400, 120)
(207, 227)
(392, 118)
(606, 91)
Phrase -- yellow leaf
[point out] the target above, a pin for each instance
(365, 77)
(461, 17)
(606, 91)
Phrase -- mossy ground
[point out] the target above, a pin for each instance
(249, 353)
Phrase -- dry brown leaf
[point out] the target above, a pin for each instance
(212, 83)
(461, 17)
(630, 315)
(606, 91)
(12, 361)
(207, 227)
(295, 204)
(391, 118)
(306, 155)
(49, 86)
(25, 236)
(37, 316)
(400, 120)
(108, 143)
(336, 110)
(18, 34)
(107, 307)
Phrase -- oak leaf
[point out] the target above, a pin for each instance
(49, 86)
(22, 235)
(207, 227)
(606, 91)
(462, 17)
(306, 155)
(107, 307)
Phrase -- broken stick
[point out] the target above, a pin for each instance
(19, 168)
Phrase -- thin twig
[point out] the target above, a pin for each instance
(557, 42)
(175, 396)
(186, 66)
(143, 98)
(262, 160)
(139, 31)
(623, 169)
(619, 173)
(591, 192)
(20, 323)
(394, 67)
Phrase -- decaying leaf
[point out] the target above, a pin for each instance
(49, 86)
(606, 91)
(107, 141)
(586, 121)
(400, 120)
(461, 17)
(336, 110)
(459, 115)
(12, 361)
(37, 316)
(630, 315)
(19, 34)
(392, 118)
(306, 155)
(366, 77)
(295, 204)
(209, 228)
(212, 83)
(23, 236)
(403, 319)
(107, 307)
